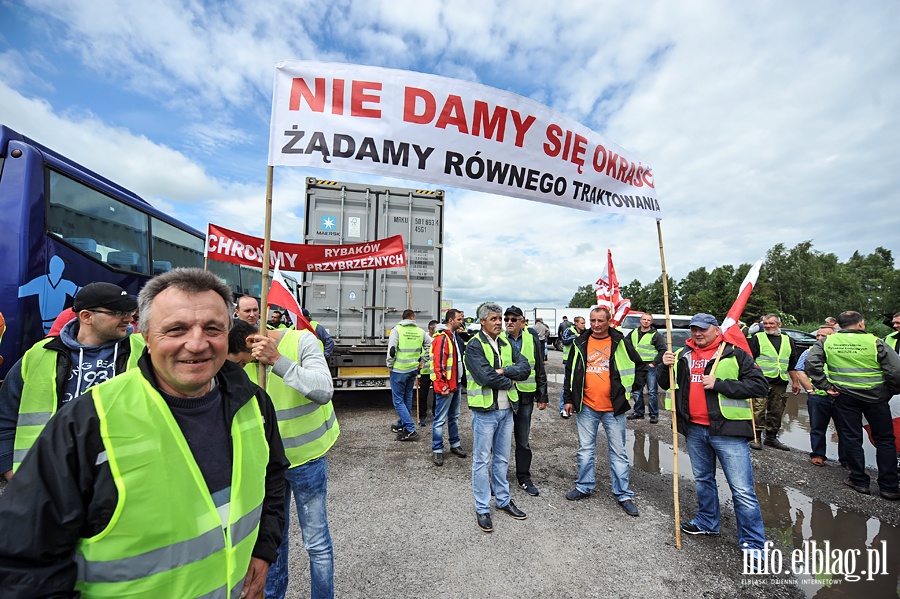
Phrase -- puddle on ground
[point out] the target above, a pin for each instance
(855, 543)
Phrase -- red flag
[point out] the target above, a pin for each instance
(608, 295)
(280, 295)
(730, 332)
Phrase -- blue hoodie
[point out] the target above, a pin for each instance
(91, 364)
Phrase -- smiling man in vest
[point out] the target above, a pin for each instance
(713, 406)
(93, 347)
(406, 347)
(532, 390)
(650, 344)
(300, 386)
(600, 372)
(861, 373)
(493, 366)
(166, 481)
(777, 357)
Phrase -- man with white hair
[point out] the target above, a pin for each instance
(493, 365)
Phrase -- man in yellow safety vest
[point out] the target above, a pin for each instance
(181, 460)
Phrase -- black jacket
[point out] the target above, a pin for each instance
(751, 383)
(485, 374)
(11, 392)
(540, 373)
(59, 495)
(575, 371)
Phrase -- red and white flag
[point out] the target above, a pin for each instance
(608, 295)
(280, 295)
(733, 334)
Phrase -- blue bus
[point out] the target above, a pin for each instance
(63, 226)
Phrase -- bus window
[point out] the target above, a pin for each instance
(97, 224)
(173, 248)
(229, 272)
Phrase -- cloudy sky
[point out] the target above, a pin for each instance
(764, 122)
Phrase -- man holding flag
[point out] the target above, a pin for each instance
(300, 386)
(714, 381)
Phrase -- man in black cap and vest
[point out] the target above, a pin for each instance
(92, 348)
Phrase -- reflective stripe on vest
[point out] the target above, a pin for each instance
(643, 343)
(853, 360)
(528, 385)
(409, 347)
(39, 401)
(567, 349)
(728, 369)
(773, 365)
(166, 538)
(450, 353)
(483, 397)
(308, 429)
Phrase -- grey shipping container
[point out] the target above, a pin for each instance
(359, 308)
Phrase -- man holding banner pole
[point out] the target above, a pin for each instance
(714, 382)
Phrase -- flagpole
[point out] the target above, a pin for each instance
(665, 286)
(264, 312)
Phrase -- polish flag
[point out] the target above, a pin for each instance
(280, 295)
(733, 334)
(608, 295)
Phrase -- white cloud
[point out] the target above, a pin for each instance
(764, 122)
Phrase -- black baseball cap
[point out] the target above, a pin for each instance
(104, 295)
(515, 310)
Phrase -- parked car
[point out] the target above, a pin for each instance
(802, 339)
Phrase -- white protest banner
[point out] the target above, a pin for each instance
(449, 132)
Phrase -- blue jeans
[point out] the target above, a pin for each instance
(652, 396)
(492, 432)
(446, 409)
(402, 386)
(733, 454)
(588, 421)
(308, 482)
(881, 423)
(821, 410)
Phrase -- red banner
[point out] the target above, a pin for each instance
(237, 248)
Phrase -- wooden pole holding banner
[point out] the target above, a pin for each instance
(264, 313)
(665, 285)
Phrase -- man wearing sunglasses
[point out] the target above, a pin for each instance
(92, 348)
(532, 390)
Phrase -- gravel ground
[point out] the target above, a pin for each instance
(403, 527)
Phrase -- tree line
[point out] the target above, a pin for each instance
(801, 284)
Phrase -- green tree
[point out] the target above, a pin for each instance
(585, 297)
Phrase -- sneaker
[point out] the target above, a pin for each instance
(530, 488)
(633, 416)
(654, 419)
(575, 495)
(438, 458)
(408, 436)
(755, 445)
(396, 428)
(692, 529)
(563, 414)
